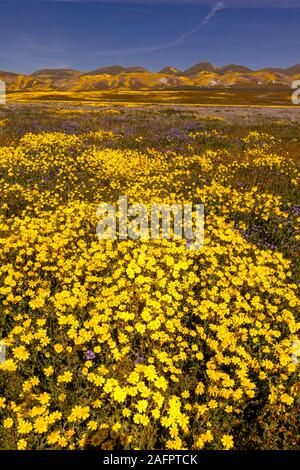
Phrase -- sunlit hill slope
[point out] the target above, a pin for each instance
(201, 75)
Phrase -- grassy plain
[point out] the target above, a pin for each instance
(266, 96)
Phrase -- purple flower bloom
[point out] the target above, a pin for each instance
(138, 359)
(90, 355)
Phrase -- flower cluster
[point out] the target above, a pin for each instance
(144, 344)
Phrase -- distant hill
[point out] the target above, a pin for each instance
(233, 68)
(201, 67)
(116, 70)
(170, 71)
(200, 75)
(56, 74)
(295, 70)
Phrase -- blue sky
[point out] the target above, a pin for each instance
(85, 34)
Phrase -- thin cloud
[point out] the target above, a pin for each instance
(36, 55)
(179, 40)
(217, 7)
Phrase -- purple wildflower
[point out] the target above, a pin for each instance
(90, 355)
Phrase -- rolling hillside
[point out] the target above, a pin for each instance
(201, 75)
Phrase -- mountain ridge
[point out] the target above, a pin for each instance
(200, 75)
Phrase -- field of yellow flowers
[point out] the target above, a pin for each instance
(144, 344)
